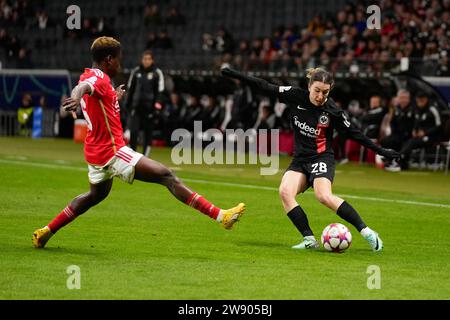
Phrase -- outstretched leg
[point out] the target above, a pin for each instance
(323, 192)
(148, 170)
(76, 207)
(292, 184)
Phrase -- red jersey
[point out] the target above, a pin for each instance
(102, 113)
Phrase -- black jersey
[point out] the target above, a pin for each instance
(314, 126)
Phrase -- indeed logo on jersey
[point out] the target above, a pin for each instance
(306, 130)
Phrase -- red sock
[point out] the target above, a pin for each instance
(196, 201)
(65, 217)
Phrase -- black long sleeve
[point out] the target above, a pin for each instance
(257, 83)
(344, 125)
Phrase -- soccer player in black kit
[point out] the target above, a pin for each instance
(314, 117)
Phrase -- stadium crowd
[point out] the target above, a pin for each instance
(417, 30)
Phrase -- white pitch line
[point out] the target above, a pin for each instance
(249, 186)
(238, 185)
(43, 165)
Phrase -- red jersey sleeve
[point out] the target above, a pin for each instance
(98, 82)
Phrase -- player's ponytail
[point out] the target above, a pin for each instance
(319, 74)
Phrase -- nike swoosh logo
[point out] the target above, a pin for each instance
(300, 108)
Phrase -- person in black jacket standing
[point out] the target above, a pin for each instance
(144, 101)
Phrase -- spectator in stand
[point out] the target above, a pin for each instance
(87, 28)
(4, 38)
(355, 112)
(23, 60)
(211, 115)
(426, 131)
(402, 124)
(101, 27)
(242, 55)
(13, 47)
(43, 102)
(193, 113)
(163, 41)
(268, 52)
(256, 46)
(152, 17)
(209, 43)
(25, 115)
(316, 26)
(266, 119)
(371, 121)
(240, 111)
(173, 114)
(42, 20)
(17, 19)
(224, 41)
(413, 31)
(152, 40)
(174, 17)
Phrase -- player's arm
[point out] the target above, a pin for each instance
(258, 83)
(343, 125)
(72, 103)
(285, 94)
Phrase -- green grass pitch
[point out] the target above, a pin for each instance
(141, 243)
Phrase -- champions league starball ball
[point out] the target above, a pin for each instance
(336, 237)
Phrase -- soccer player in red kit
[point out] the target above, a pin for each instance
(106, 152)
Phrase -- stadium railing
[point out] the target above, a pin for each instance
(8, 123)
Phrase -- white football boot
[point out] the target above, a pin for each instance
(309, 242)
(372, 238)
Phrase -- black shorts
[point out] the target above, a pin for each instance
(321, 167)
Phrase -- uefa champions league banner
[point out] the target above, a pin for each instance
(50, 83)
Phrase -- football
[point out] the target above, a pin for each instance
(336, 237)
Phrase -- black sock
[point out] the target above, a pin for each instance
(299, 219)
(346, 212)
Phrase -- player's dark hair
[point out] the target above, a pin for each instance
(103, 47)
(321, 75)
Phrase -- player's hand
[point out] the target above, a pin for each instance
(389, 154)
(71, 104)
(120, 91)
